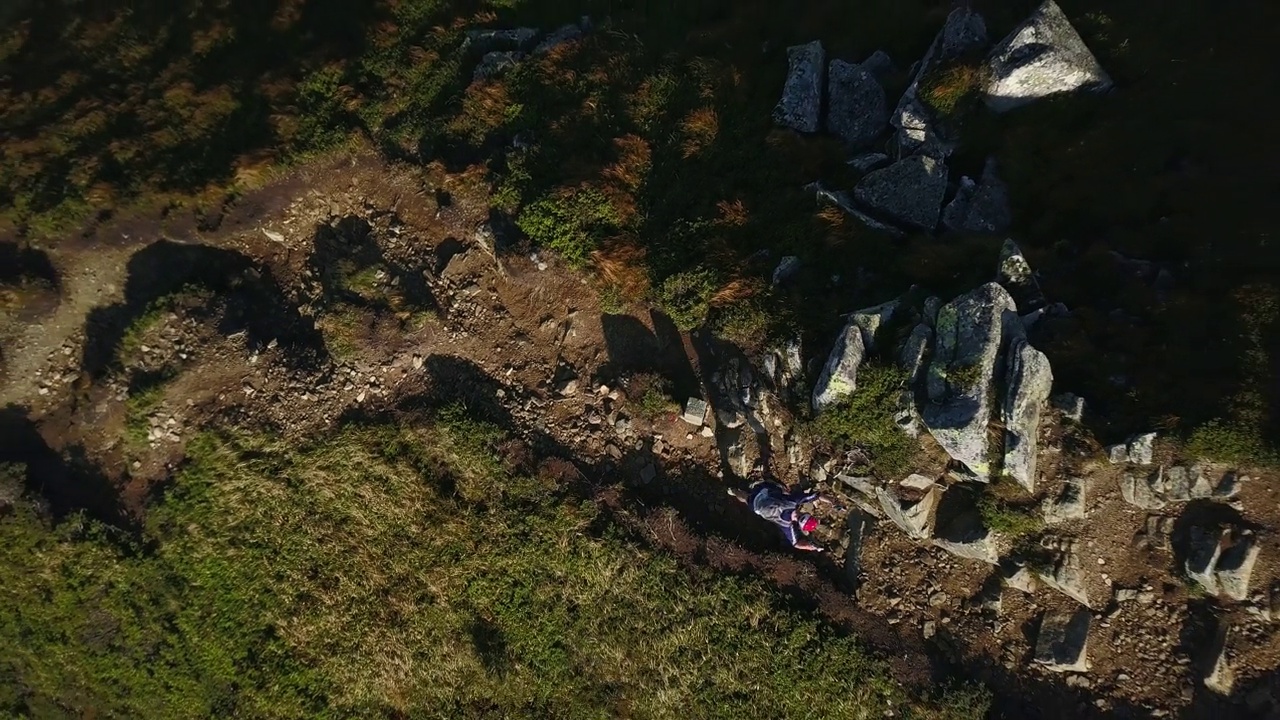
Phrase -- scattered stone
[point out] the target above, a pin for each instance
(1070, 405)
(840, 374)
(1063, 643)
(787, 268)
(909, 191)
(1022, 579)
(879, 64)
(1142, 448)
(1124, 595)
(1067, 577)
(648, 473)
(981, 207)
(1222, 563)
(856, 109)
(1043, 56)
(915, 518)
(1117, 454)
(870, 320)
(802, 94)
(273, 235)
(1148, 493)
(496, 63)
(567, 388)
(1070, 505)
(1183, 483)
(1220, 678)
(1016, 276)
(707, 431)
(1078, 681)
(970, 331)
(566, 33)
(917, 131)
(695, 411)
(917, 482)
(938, 599)
(970, 540)
(1029, 381)
(929, 629)
(867, 162)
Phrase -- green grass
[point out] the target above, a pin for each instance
(1006, 509)
(138, 409)
(865, 419)
(365, 575)
(135, 335)
(651, 396)
(1232, 442)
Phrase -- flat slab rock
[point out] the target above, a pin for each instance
(1222, 563)
(1063, 642)
(801, 103)
(1069, 505)
(980, 207)
(857, 112)
(916, 519)
(908, 192)
(1043, 56)
(970, 333)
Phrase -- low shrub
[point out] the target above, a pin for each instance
(686, 297)
(865, 419)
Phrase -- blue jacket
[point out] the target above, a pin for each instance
(772, 502)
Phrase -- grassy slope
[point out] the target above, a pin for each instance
(393, 572)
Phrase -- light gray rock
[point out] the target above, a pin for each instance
(1043, 56)
(909, 191)
(1029, 380)
(1067, 577)
(1021, 578)
(1063, 642)
(801, 103)
(856, 109)
(1016, 276)
(1220, 678)
(982, 207)
(1117, 454)
(844, 201)
(853, 553)
(866, 162)
(912, 358)
(1142, 448)
(496, 63)
(914, 518)
(970, 332)
(869, 320)
(1203, 552)
(783, 365)
(917, 482)
(1070, 504)
(564, 34)
(980, 544)
(1070, 405)
(695, 411)
(839, 376)
(917, 131)
(1183, 483)
(787, 268)
(1147, 492)
(1235, 566)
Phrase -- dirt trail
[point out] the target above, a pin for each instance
(434, 316)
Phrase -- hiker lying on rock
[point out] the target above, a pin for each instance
(774, 503)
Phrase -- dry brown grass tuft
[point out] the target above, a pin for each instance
(484, 108)
(634, 161)
(733, 213)
(621, 263)
(735, 290)
(700, 129)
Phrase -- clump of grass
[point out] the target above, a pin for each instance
(865, 419)
(1002, 513)
(965, 377)
(344, 327)
(139, 407)
(686, 297)
(12, 482)
(950, 90)
(1232, 442)
(571, 222)
(134, 336)
(651, 395)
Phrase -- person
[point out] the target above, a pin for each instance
(774, 503)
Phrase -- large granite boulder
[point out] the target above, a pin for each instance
(801, 103)
(1029, 381)
(970, 333)
(908, 192)
(856, 109)
(1043, 56)
(1222, 562)
(917, 130)
(1063, 642)
(914, 517)
(981, 207)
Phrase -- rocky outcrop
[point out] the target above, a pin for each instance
(1029, 382)
(1139, 449)
(1067, 574)
(801, 103)
(840, 375)
(1043, 56)
(961, 392)
(914, 517)
(1015, 275)
(908, 192)
(1069, 505)
(917, 131)
(912, 358)
(1222, 562)
(981, 207)
(1063, 642)
(856, 109)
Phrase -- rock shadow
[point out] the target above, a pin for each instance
(632, 348)
(65, 482)
(353, 268)
(254, 303)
